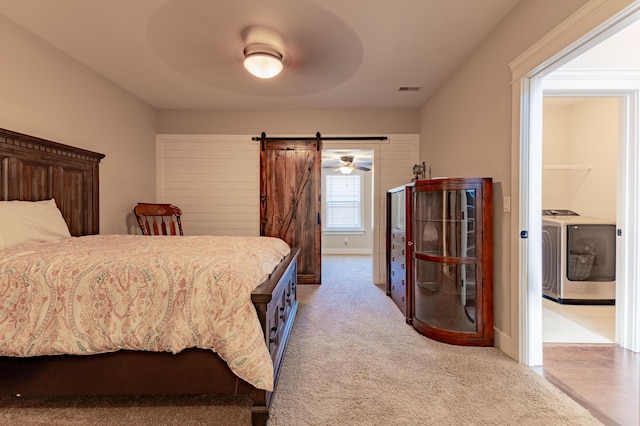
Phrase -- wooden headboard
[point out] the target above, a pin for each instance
(34, 169)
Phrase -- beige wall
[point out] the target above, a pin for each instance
(581, 134)
(465, 130)
(46, 94)
(289, 122)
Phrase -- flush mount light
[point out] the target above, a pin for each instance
(262, 60)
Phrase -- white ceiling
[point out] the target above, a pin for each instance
(619, 51)
(187, 54)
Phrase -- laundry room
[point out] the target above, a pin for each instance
(579, 154)
(579, 157)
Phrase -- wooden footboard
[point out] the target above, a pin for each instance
(277, 303)
(192, 371)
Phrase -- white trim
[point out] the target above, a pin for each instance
(592, 23)
(588, 26)
(628, 244)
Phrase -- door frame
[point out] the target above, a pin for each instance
(594, 22)
(374, 147)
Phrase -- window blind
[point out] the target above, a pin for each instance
(343, 202)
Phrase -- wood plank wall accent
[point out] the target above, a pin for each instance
(215, 180)
(27, 173)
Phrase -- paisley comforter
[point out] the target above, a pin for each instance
(104, 293)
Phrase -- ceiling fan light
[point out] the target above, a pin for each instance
(346, 170)
(262, 61)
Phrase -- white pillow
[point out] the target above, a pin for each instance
(31, 221)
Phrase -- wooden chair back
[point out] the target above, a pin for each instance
(158, 219)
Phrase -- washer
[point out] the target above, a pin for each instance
(578, 258)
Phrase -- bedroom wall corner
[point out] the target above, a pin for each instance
(47, 94)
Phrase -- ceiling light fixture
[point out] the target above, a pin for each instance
(346, 170)
(262, 60)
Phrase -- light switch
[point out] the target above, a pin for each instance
(506, 204)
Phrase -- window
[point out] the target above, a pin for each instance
(343, 205)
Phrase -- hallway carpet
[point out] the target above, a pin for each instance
(354, 361)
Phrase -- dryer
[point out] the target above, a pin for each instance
(578, 258)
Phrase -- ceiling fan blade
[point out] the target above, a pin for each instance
(331, 163)
(359, 167)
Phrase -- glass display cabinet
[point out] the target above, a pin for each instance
(452, 260)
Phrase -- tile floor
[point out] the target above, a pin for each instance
(563, 323)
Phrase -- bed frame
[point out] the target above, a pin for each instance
(34, 169)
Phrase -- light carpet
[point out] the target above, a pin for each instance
(352, 360)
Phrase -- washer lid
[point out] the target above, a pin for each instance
(556, 212)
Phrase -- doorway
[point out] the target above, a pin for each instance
(579, 172)
(529, 83)
(347, 204)
(392, 163)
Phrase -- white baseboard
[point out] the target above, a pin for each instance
(502, 341)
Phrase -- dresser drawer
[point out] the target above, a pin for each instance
(398, 286)
(397, 250)
(398, 271)
(397, 236)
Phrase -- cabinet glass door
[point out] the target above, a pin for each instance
(445, 259)
(397, 210)
(445, 223)
(445, 295)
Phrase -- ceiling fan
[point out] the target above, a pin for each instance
(347, 164)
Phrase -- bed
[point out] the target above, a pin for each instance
(41, 174)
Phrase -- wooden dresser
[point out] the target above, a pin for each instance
(397, 251)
